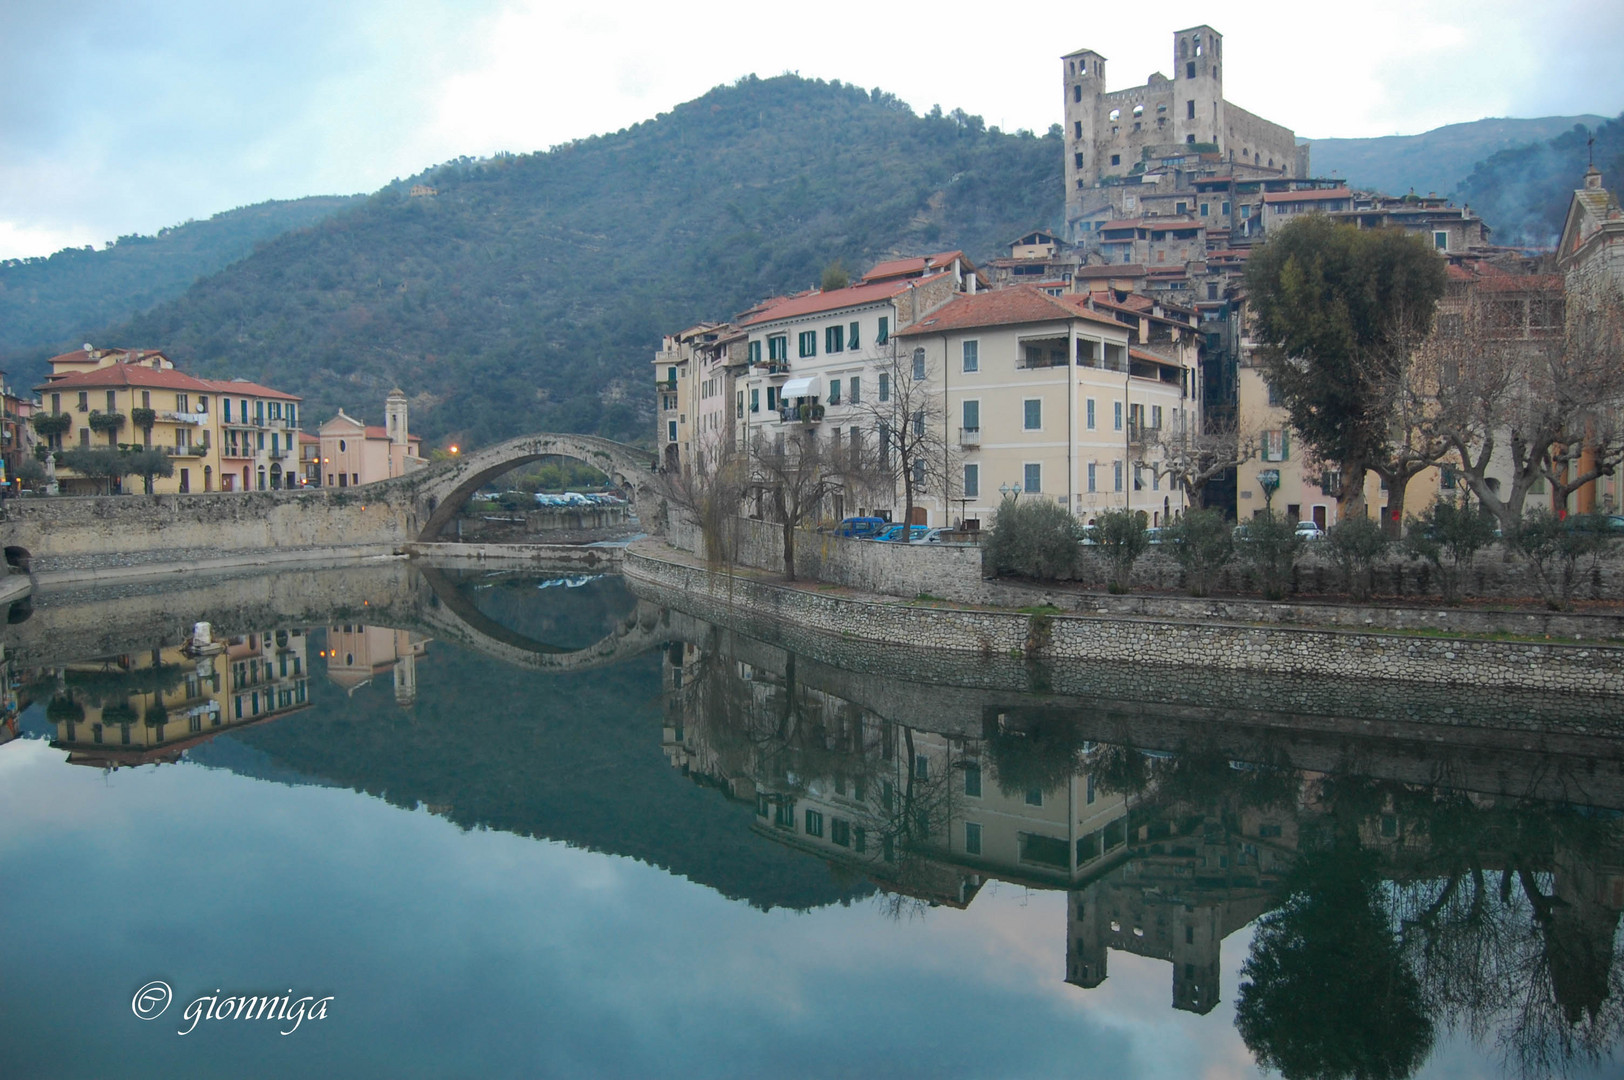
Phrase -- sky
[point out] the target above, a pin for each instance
(125, 117)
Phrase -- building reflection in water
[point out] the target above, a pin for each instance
(149, 707)
(356, 654)
(1385, 911)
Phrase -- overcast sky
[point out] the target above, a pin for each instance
(118, 118)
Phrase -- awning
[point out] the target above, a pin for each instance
(810, 386)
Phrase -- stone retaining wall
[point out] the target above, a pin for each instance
(1131, 640)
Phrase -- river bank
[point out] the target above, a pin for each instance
(1433, 655)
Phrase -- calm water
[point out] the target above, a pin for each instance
(519, 826)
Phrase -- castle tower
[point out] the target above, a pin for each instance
(1198, 86)
(1083, 75)
(394, 409)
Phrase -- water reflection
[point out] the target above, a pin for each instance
(1395, 882)
(1385, 911)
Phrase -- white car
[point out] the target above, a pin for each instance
(1310, 530)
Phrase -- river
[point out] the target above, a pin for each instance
(493, 823)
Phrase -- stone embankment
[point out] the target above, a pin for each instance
(686, 583)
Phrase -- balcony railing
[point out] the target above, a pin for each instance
(665, 384)
(805, 414)
(184, 417)
(772, 367)
(969, 437)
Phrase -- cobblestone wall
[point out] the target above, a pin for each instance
(1131, 640)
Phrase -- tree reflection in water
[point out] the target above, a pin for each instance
(1386, 912)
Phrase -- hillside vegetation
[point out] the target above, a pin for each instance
(1433, 161)
(57, 299)
(531, 292)
(1524, 193)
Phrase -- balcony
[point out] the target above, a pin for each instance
(665, 384)
(199, 418)
(805, 414)
(231, 450)
(771, 367)
(969, 437)
(1141, 432)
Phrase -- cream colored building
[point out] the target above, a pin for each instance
(1048, 399)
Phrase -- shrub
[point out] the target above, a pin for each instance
(1553, 548)
(1271, 547)
(106, 422)
(1035, 538)
(1355, 544)
(48, 424)
(1203, 543)
(1121, 539)
(1449, 536)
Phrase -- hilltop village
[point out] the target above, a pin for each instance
(1111, 362)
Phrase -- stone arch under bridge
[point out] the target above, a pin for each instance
(440, 491)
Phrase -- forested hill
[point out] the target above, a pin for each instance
(1524, 192)
(531, 292)
(56, 300)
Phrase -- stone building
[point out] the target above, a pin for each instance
(1120, 136)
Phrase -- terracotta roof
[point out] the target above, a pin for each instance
(1140, 354)
(817, 302)
(1006, 307)
(128, 375)
(306, 437)
(1307, 196)
(79, 356)
(243, 386)
(916, 264)
(374, 431)
(1125, 223)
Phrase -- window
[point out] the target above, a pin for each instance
(972, 481)
(814, 823)
(1189, 112)
(919, 423)
(885, 330)
(84, 401)
(1033, 479)
(1091, 414)
(1092, 467)
(755, 399)
(1440, 240)
(919, 363)
(1224, 209)
(1246, 212)
(885, 387)
(972, 838)
(1206, 209)
(671, 430)
(856, 397)
(1034, 796)
(809, 342)
(772, 399)
(777, 348)
(1077, 92)
(921, 767)
(834, 339)
(972, 357)
(1181, 208)
(1117, 414)
(1077, 129)
(1156, 417)
(919, 473)
(755, 352)
(1116, 471)
(1116, 159)
(972, 416)
(840, 831)
(972, 779)
(834, 391)
(1276, 446)
(851, 336)
(1033, 414)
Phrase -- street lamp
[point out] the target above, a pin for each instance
(1006, 490)
(1269, 481)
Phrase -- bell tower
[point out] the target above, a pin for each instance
(394, 410)
(1198, 86)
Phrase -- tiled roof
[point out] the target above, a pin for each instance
(80, 356)
(306, 437)
(834, 300)
(128, 375)
(1006, 307)
(916, 264)
(1307, 196)
(243, 386)
(1122, 270)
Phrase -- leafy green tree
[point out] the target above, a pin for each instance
(1034, 538)
(1203, 543)
(98, 463)
(1355, 544)
(1121, 538)
(1449, 536)
(147, 464)
(1326, 993)
(835, 277)
(1271, 547)
(1041, 752)
(1340, 312)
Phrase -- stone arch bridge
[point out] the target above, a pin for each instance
(434, 495)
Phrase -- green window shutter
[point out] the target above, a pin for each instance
(1285, 444)
(851, 333)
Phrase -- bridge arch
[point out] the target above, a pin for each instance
(442, 490)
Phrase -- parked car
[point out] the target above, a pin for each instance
(864, 528)
(1310, 530)
(1090, 536)
(932, 536)
(1611, 524)
(1153, 535)
(895, 533)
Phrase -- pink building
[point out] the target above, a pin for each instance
(353, 452)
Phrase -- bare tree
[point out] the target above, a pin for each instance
(710, 492)
(1532, 403)
(1190, 458)
(908, 414)
(1408, 395)
(796, 473)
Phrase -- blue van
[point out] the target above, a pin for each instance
(864, 528)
